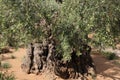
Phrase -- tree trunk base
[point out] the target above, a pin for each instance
(39, 60)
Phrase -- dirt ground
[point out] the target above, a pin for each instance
(106, 70)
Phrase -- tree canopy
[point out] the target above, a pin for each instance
(70, 22)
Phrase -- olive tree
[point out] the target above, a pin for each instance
(65, 24)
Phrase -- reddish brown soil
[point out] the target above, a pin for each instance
(106, 70)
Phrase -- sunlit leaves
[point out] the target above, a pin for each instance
(70, 22)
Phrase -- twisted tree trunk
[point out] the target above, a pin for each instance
(42, 57)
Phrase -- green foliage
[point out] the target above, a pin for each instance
(5, 76)
(109, 55)
(22, 22)
(5, 65)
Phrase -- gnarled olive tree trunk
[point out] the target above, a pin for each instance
(42, 57)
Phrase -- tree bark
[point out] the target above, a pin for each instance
(41, 58)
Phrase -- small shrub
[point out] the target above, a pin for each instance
(117, 63)
(5, 65)
(109, 55)
(13, 57)
(6, 76)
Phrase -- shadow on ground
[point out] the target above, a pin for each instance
(105, 68)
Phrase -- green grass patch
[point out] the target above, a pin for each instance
(109, 55)
(5, 65)
(6, 76)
